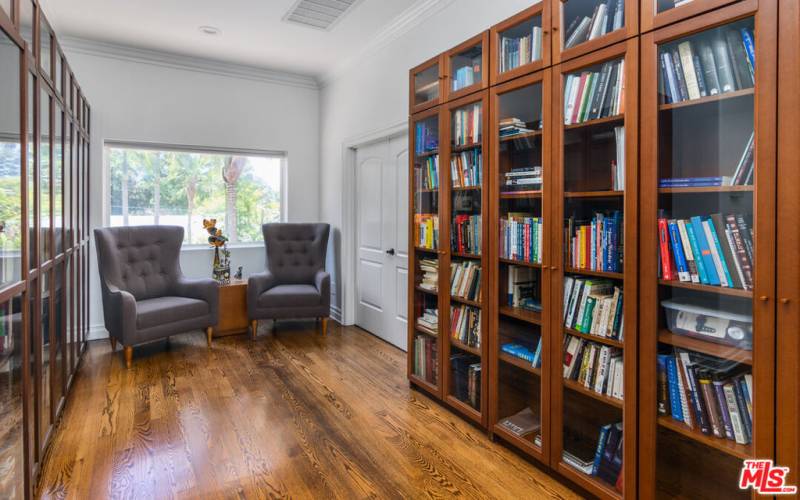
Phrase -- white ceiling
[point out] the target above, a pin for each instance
(252, 31)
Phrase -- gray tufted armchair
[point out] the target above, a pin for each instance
(145, 295)
(295, 284)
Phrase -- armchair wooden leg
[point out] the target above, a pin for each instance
(254, 328)
(128, 356)
(324, 327)
(209, 335)
(113, 344)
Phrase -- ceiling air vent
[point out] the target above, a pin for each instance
(319, 14)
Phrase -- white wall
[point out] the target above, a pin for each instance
(138, 101)
(373, 95)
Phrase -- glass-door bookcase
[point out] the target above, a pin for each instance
(595, 283)
(425, 90)
(583, 26)
(520, 299)
(467, 67)
(426, 253)
(708, 277)
(521, 43)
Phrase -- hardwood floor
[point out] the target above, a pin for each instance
(291, 414)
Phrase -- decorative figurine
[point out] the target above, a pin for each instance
(221, 270)
(238, 274)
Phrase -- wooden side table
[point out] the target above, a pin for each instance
(232, 309)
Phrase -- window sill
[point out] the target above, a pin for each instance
(204, 248)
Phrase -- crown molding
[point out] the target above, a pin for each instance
(402, 24)
(186, 63)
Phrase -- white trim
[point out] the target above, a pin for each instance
(97, 332)
(336, 314)
(187, 63)
(402, 24)
(348, 257)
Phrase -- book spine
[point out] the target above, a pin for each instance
(747, 424)
(727, 425)
(663, 386)
(677, 249)
(663, 238)
(674, 391)
(705, 250)
(698, 257)
(710, 400)
(727, 258)
(733, 411)
(716, 253)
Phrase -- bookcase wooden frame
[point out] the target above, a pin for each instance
(629, 51)
(481, 39)
(651, 19)
(445, 204)
(630, 29)
(416, 108)
(540, 9)
(542, 454)
(763, 355)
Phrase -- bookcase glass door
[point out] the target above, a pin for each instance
(706, 261)
(593, 177)
(426, 85)
(522, 290)
(665, 5)
(586, 20)
(520, 45)
(426, 248)
(466, 68)
(466, 326)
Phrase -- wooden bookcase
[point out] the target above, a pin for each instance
(524, 36)
(427, 85)
(466, 67)
(566, 16)
(689, 136)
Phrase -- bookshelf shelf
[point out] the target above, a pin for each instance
(524, 443)
(468, 302)
(522, 195)
(595, 338)
(718, 290)
(465, 255)
(464, 409)
(426, 154)
(466, 147)
(591, 483)
(733, 448)
(521, 263)
(421, 382)
(524, 135)
(464, 347)
(425, 290)
(707, 189)
(598, 274)
(578, 388)
(594, 194)
(426, 250)
(519, 363)
(422, 329)
(467, 188)
(599, 121)
(706, 347)
(532, 317)
(707, 99)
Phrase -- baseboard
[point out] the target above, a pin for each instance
(336, 313)
(97, 332)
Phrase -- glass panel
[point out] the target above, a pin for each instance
(586, 20)
(57, 312)
(76, 181)
(44, 175)
(11, 402)
(426, 85)
(45, 41)
(521, 44)
(27, 11)
(10, 165)
(466, 68)
(592, 298)
(58, 182)
(45, 394)
(31, 168)
(665, 5)
(519, 175)
(5, 5)
(706, 164)
(69, 320)
(58, 76)
(68, 184)
(30, 401)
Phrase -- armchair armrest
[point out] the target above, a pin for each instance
(256, 285)
(202, 289)
(120, 313)
(322, 281)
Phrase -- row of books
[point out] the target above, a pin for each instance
(607, 463)
(427, 173)
(594, 307)
(607, 17)
(468, 125)
(427, 230)
(429, 319)
(467, 378)
(465, 234)
(518, 51)
(742, 175)
(426, 359)
(426, 138)
(465, 280)
(596, 244)
(466, 168)
(523, 288)
(518, 350)
(595, 94)
(430, 274)
(469, 74)
(715, 62)
(521, 237)
(597, 367)
(711, 395)
(465, 325)
(712, 250)
(522, 179)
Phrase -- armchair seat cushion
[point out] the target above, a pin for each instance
(290, 296)
(164, 310)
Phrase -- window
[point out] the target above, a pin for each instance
(181, 188)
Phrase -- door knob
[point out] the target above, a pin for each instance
(390, 251)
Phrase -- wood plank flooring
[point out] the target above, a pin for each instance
(291, 414)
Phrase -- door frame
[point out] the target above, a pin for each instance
(347, 239)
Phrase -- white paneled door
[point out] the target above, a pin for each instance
(382, 239)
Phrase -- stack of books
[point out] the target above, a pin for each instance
(713, 250)
(596, 244)
(430, 274)
(523, 288)
(466, 373)
(465, 325)
(429, 319)
(719, 61)
(426, 138)
(521, 237)
(427, 227)
(518, 51)
(510, 127)
(608, 16)
(518, 350)
(466, 234)
(594, 307)
(426, 359)
(597, 367)
(522, 180)
(427, 173)
(468, 126)
(708, 394)
(523, 423)
(595, 94)
(465, 280)
(466, 168)
(469, 74)
(742, 176)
